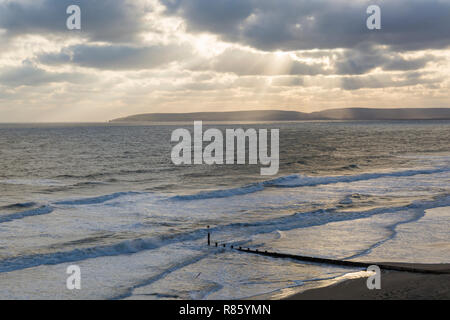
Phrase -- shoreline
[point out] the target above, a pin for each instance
(395, 285)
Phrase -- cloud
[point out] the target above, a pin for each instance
(117, 57)
(387, 81)
(102, 20)
(288, 81)
(324, 24)
(137, 56)
(244, 62)
(364, 58)
(360, 60)
(29, 74)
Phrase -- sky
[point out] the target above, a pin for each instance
(145, 56)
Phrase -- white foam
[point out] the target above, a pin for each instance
(296, 181)
(28, 213)
(96, 200)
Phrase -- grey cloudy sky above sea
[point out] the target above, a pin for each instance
(138, 56)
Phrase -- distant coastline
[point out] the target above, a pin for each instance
(278, 115)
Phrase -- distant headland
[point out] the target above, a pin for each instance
(278, 115)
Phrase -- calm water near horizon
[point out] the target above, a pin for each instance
(108, 198)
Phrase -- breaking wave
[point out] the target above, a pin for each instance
(296, 181)
(20, 215)
(276, 226)
(96, 200)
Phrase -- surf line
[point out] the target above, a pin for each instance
(344, 263)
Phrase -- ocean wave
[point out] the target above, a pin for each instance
(126, 247)
(307, 181)
(97, 175)
(20, 215)
(392, 229)
(225, 193)
(221, 193)
(296, 181)
(324, 216)
(29, 261)
(129, 291)
(96, 200)
(276, 226)
(19, 205)
(79, 185)
(34, 182)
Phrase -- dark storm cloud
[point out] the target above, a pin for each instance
(305, 24)
(102, 20)
(116, 57)
(30, 75)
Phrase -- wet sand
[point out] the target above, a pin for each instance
(395, 285)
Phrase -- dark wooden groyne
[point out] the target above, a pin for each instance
(343, 263)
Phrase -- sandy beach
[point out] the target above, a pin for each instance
(395, 285)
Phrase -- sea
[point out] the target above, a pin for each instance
(107, 198)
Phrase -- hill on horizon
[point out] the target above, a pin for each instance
(279, 115)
